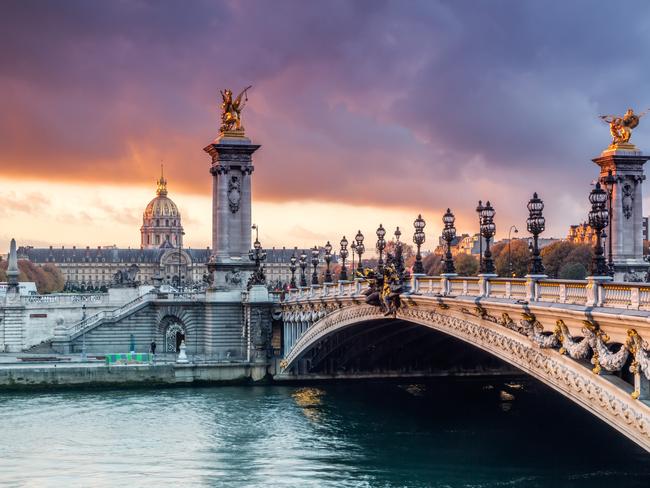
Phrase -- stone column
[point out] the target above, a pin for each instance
(231, 169)
(625, 162)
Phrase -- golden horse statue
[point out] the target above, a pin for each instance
(231, 110)
(621, 127)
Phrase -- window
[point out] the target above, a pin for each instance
(167, 222)
(157, 239)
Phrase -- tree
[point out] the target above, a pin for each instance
(519, 256)
(48, 278)
(558, 257)
(466, 264)
(573, 271)
(432, 264)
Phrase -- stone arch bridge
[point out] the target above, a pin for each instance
(585, 339)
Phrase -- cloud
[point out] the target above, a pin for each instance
(367, 102)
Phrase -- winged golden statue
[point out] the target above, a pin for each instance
(621, 127)
(231, 110)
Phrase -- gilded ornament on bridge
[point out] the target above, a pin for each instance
(620, 127)
(231, 112)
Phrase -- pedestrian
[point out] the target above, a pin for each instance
(153, 347)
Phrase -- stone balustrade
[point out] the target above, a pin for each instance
(592, 292)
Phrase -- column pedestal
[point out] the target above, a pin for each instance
(625, 162)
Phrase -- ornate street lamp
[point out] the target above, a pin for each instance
(398, 234)
(609, 181)
(343, 275)
(353, 246)
(328, 259)
(292, 267)
(314, 263)
(418, 240)
(536, 224)
(360, 248)
(257, 255)
(448, 234)
(381, 245)
(598, 219)
(479, 211)
(488, 230)
(303, 267)
(512, 227)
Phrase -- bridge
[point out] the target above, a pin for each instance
(585, 338)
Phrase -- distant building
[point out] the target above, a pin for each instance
(581, 234)
(160, 258)
(644, 223)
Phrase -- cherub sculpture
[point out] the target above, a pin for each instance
(621, 127)
(231, 110)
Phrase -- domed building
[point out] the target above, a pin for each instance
(161, 221)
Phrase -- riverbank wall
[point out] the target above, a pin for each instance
(75, 375)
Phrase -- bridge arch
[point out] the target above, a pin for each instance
(605, 397)
(174, 325)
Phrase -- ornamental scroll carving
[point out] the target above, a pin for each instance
(627, 200)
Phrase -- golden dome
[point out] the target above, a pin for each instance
(161, 207)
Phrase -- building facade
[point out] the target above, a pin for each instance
(161, 258)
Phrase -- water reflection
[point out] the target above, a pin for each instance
(309, 399)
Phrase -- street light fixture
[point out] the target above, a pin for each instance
(448, 234)
(83, 336)
(536, 224)
(353, 247)
(343, 275)
(314, 262)
(479, 211)
(488, 229)
(609, 181)
(360, 248)
(303, 267)
(418, 240)
(257, 255)
(598, 219)
(509, 251)
(381, 245)
(328, 259)
(292, 267)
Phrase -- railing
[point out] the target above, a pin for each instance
(592, 292)
(184, 296)
(93, 320)
(64, 298)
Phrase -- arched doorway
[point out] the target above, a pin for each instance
(174, 335)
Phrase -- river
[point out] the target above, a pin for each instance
(460, 433)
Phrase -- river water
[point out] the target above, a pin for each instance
(461, 433)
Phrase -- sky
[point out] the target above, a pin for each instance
(368, 112)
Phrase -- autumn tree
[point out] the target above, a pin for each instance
(519, 257)
(432, 264)
(466, 264)
(567, 260)
(48, 278)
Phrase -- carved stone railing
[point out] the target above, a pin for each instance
(589, 293)
(92, 321)
(64, 299)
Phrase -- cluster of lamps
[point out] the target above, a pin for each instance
(535, 223)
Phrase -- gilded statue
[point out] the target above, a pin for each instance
(621, 127)
(231, 110)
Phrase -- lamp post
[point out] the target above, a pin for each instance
(536, 224)
(83, 336)
(418, 240)
(314, 262)
(180, 250)
(328, 259)
(292, 267)
(257, 255)
(609, 181)
(509, 252)
(598, 219)
(487, 231)
(360, 248)
(353, 247)
(381, 245)
(448, 234)
(303, 267)
(343, 275)
(479, 210)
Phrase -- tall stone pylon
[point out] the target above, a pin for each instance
(12, 267)
(231, 169)
(625, 162)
